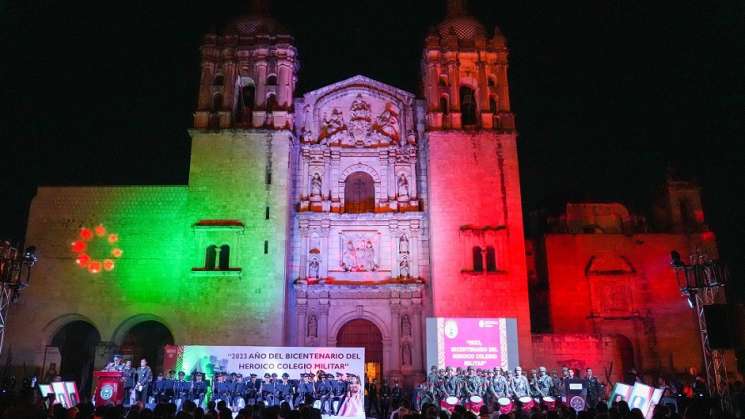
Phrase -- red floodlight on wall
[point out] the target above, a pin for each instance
(103, 259)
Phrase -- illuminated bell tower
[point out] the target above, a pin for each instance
(478, 266)
(241, 176)
(249, 73)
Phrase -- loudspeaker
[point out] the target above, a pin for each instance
(720, 322)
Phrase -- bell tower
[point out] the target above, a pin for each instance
(465, 74)
(478, 266)
(249, 71)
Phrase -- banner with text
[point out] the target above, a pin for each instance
(472, 342)
(265, 359)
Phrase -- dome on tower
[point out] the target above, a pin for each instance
(256, 22)
(465, 27)
(256, 25)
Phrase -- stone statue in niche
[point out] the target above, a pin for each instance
(405, 325)
(403, 267)
(406, 354)
(316, 186)
(313, 267)
(403, 244)
(403, 186)
(312, 326)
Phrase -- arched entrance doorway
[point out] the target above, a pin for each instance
(147, 340)
(361, 333)
(77, 342)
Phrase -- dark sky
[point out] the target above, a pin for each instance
(607, 93)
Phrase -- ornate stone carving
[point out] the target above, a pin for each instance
(358, 254)
(313, 266)
(387, 123)
(312, 326)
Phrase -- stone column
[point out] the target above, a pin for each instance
(323, 272)
(304, 177)
(395, 338)
(284, 93)
(302, 324)
(323, 322)
(417, 361)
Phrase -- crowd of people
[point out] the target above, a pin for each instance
(448, 393)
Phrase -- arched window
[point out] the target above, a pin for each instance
(491, 82)
(217, 103)
(492, 104)
(219, 80)
(478, 262)
(210, 256)
(224, 262)
(467, 106)
(444, 105)
(491, 259)
(359, 193)
(271, 80)
(443, 82)
(271, 103)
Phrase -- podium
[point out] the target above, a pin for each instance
(109, 388)
(576, 394)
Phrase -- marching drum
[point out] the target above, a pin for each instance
(449, 403)
(550, 403)
(317, 404)
(239, 403)
(474, 404)
(527, 403)
(505, 405)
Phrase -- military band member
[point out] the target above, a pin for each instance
(169, 381)
(223, 389)
(501, 385)
(253, 386)
(198, 389)
(239, 392)
(451, 383)
(284, 390)
(545, 383)
(339, 391)
(268, 390)
(519, 384)
(157, 388)
(325, 390)
(306, 390)
(181, 389)
(469, 386)
(490, 395)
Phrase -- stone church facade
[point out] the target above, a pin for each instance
(343, 217)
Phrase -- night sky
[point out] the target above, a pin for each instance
(607, 94)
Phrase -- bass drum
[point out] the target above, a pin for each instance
(474, 404)
(449, 403)
(527, 403)
(550, 403)
(505, 405)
